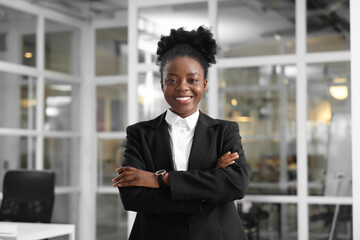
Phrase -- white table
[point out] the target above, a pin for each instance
(36, 231)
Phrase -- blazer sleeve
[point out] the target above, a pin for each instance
(150, 200)
(216, 184)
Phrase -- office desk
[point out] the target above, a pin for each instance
(36, 231)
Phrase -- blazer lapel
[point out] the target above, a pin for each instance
(158, 140)
(203, 141)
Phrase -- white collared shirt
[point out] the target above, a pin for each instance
(181, 131)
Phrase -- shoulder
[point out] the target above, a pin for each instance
(219, 122)
(149, 124)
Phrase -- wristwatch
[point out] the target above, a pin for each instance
(160, 177)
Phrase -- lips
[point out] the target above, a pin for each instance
(183, 99)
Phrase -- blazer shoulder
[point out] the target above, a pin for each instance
(153, 123)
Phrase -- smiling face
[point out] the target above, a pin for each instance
(183, 85)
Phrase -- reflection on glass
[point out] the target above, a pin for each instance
(110, 157)
(268, 221)
(61, 103)
(262, 101)
(66, 209)
(17, 36)
(17, 101)
(329, 129)
(111, 108)
(330, 222)
(111, 218)
(16, 152)
(61, 47)
(328, 26)
(255, 28)
(111, 51)
(151, 25)
(151, 99)
(61, 156)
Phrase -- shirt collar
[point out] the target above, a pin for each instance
(172, 118)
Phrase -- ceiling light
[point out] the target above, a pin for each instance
(339, 92)
(28, 55)
(277, 37)
(234, 102)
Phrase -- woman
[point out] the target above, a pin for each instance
(183, 170)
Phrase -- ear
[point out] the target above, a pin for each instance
(162, 85)
(205, 84)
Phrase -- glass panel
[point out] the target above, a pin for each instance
(110, 157)
(111, 51)
(66, 208)
(269, 220)
(330, 222)
(17, 101)
(329, 129)
(151, 99)
(151, 25)
(111, 108)
(62, 44)
(16, 152)
(328, 25)
(255, 28)
(17, 36)
(61, 156)
(111, 218)
(61, 107)
(262, 100)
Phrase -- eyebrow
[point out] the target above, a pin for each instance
(189, 74)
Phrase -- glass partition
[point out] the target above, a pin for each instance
(61, 155)
(111, 108)
(256, 28)
(328, 26)
(111, 51)
(16, 152)
(61, 47)
(262, 101)
(65, 210)
(111, 218)
(17, 36)
(269, 220)
(151, 25)
(150, 96)
(61, 107)
(330, 222)
(17, 101)
(329, 129)
(110, 157)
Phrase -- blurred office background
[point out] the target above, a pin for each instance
(75, 73)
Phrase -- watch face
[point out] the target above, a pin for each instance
(160, 172)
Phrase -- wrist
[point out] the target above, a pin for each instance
(167, 179)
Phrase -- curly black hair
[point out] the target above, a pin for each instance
(198, 44)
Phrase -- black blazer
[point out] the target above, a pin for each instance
(199, 203)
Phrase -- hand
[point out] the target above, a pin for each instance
(133, 177)
(226, 159)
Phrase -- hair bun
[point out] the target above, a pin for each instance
(201, 39)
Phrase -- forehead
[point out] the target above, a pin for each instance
(183, 64)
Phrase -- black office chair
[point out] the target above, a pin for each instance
(28, 196)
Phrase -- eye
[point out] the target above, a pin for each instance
(193, 80)
(170, 81)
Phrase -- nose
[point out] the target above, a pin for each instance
(183, 85)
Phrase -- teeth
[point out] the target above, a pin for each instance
(183, 98)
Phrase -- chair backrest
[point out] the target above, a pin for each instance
(28, 196)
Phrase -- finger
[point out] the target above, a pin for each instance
(122, 169)
(125, 181)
